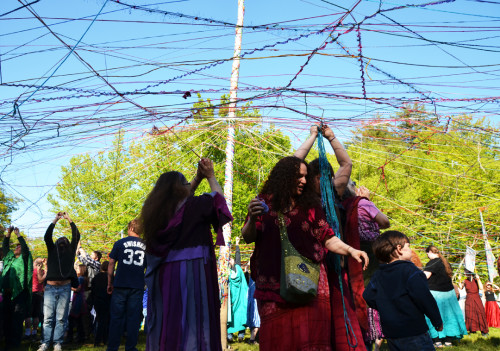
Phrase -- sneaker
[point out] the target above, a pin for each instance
(43, 347)
(57, 347)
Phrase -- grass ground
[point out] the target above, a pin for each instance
(469, 343)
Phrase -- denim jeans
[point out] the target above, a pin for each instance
(55, 312)
(422, 342)
(126, 309)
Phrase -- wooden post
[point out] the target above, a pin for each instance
(228, 182)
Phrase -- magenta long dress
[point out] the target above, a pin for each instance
(183, 295)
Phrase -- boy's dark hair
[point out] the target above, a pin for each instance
(104, 266)
(98, 255)
(385, 245)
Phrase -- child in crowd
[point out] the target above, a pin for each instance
(399, 292)
(78, 306)
(101, 301)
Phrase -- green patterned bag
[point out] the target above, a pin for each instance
(299, 275)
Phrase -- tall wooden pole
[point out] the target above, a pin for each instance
(228, 183)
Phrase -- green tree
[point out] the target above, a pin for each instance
(103, 193)
(431, 177)
(8, 205)
(99, 193)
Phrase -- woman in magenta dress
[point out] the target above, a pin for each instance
(183, 292)
(286, 326)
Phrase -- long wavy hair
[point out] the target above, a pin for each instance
(160, 205)
(282, 182)
(446, 264)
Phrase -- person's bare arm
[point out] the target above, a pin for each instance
(207, 170)
(197, 179)
(335, 245)
(479, 283)
(306, 146)
(382, 220)
(249, 230)
(111, 273)
(345, 164)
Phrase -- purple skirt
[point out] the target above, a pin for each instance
(189, 300)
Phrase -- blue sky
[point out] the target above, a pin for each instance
(441, 55)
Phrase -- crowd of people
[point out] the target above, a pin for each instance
(60, 294)
(312, 282)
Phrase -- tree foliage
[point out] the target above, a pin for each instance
(104, 192)
(7, 206)
(431, 177)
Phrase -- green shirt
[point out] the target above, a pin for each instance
(17, 272)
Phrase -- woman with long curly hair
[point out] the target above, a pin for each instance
(354, 305)
(183, 293)
(438, 272)
(285, 325)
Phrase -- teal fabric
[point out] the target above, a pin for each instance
(451, 314)
(238, 288)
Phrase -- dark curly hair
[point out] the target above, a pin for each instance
(160, 205)
(282, 182)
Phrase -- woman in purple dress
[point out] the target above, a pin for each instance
(183, 293)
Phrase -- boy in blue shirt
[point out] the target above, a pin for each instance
(399, 292)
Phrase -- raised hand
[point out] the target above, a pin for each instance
(327, 132)
(206, 168)
(314, 130)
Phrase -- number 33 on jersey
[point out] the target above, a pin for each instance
(130, 256)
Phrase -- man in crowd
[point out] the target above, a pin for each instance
(126, 288)
(16, 287)
(92, 261)
(60, 260)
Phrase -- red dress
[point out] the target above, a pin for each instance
(475, 316)
(492, 310)
(286, 327)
